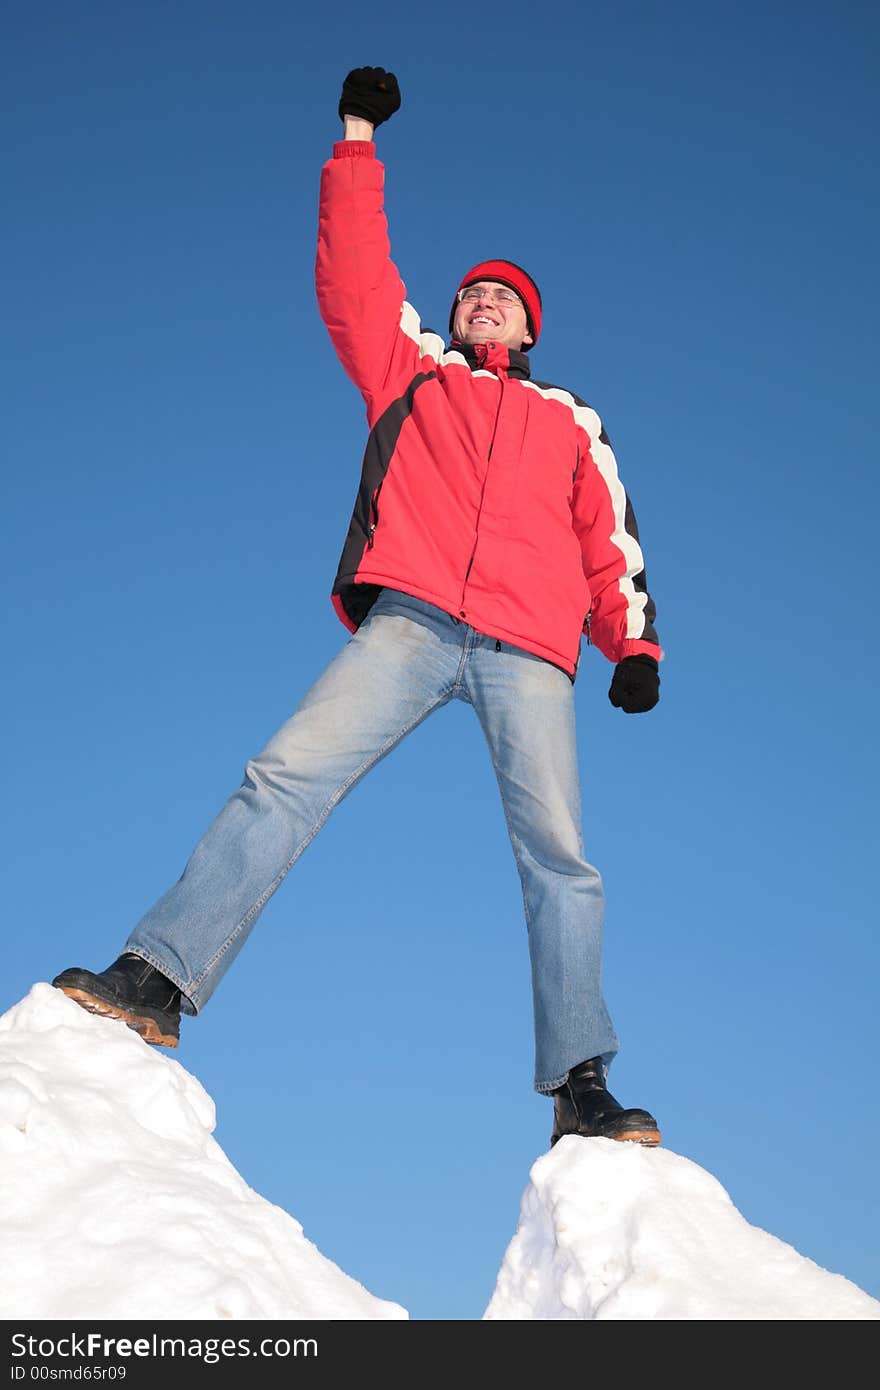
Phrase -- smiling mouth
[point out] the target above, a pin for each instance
(480, 319)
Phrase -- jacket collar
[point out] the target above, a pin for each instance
(489, 357)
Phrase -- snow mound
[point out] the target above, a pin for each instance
(617, 1231)
(116, 1202)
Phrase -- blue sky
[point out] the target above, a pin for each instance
(692, 187)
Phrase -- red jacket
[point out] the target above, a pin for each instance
(484, 492)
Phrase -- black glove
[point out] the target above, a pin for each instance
(371, 93)
(635, 685)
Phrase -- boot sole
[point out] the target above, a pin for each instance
(650, 1138)
(147, 1028)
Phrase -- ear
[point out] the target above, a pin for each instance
(527, 338)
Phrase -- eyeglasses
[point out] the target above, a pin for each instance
(502, 295)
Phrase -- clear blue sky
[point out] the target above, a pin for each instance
(694, 189)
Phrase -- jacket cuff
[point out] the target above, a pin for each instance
(366, 149)
(634, 646)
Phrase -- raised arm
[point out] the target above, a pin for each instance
(361, 296)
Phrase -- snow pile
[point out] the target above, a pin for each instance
(617, 1231)
(115, 1201)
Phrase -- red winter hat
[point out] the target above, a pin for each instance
(507, 273)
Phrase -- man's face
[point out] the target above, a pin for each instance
(487, 314)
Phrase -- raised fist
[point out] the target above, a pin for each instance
(371, 93)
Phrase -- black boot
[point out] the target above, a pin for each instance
(584, 1106)
(132, 991)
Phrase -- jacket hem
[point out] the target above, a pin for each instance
(339, 606)
(430, 596)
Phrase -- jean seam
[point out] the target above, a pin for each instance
(545, 1088)
(459, 690)
(330, 806)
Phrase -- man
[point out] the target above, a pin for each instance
(489, 533)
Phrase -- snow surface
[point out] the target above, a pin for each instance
(116, 1202)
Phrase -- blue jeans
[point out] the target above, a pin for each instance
(406, 660)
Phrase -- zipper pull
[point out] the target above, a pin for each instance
(587, 625)
(374, 516)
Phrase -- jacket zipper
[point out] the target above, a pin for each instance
(488, 459)
(374, 516)
(497, 418)
(588, 622)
